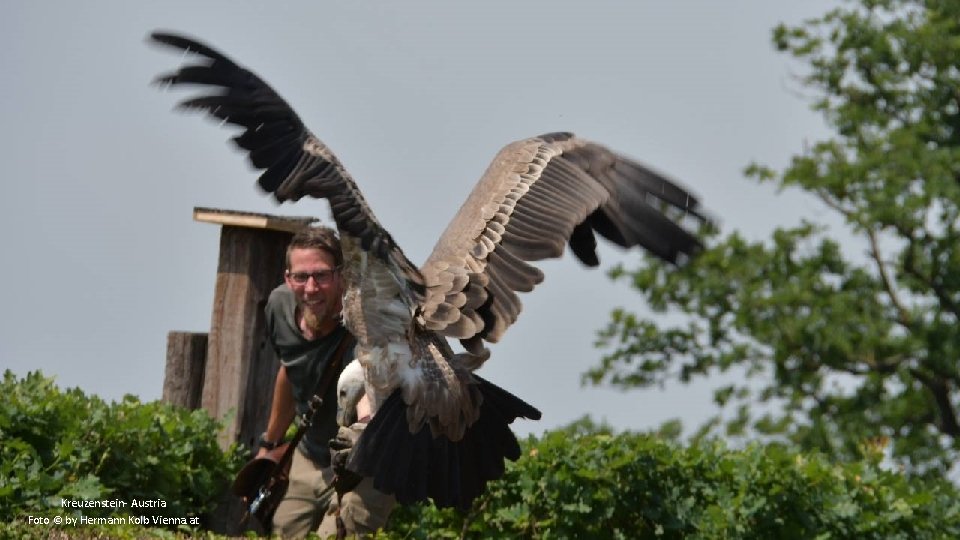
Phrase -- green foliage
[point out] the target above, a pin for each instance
(66, 445)
(639, 486)
(850, 349)
(20, 529)
(596, 484)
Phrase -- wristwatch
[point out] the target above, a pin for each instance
(262, 442)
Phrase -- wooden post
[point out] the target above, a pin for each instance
(241, 365)
(251, 265)
(183, 377)
(230, 371)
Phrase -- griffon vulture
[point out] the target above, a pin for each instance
(440, 430)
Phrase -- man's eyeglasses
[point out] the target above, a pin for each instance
(321, 278)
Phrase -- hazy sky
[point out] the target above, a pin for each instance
(101, 257)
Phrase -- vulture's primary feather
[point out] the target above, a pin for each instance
(441, 431)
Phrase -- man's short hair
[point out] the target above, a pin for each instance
(319, 237)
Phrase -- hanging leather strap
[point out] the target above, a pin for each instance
(264, 502)
(316, 399)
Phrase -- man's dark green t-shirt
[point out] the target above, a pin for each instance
(305, 361)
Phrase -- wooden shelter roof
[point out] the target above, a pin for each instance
(253, 220)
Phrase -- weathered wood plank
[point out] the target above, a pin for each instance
(238, 380)
(251, 220)
(183, 375)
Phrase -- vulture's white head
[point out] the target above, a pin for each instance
(349, 391)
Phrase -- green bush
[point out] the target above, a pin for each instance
(639, 486)
(65, 445)
(582, 482)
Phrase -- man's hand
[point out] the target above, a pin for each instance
(340, 447)
(274, 454)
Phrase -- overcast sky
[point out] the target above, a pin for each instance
(101, 257)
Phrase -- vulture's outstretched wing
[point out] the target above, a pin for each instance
(295, 162)
(538, 195)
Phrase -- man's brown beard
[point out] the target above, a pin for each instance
(311, 319)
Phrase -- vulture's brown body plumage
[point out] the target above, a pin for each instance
(440, 430)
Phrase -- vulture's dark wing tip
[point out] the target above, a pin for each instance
(160, 36)
(169, 39)
(164, 81)
(187, 44)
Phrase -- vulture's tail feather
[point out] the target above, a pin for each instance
(415, 466)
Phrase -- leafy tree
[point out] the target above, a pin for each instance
(853, 349)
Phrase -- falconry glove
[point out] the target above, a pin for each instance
(340, 448)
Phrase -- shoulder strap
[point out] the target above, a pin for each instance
(329, 372)
(333, 365)
(316, 400)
